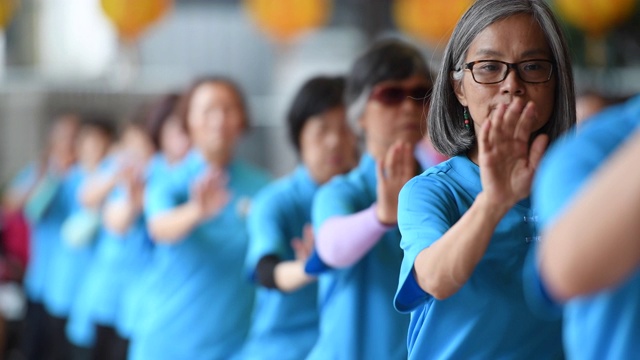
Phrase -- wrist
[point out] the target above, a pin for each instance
(384, 217)
(494, 211)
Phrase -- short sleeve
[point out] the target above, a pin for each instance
(426, 210)
(266, 232)
(337, 198)
(161, 195)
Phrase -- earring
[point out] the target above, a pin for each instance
(466, 119)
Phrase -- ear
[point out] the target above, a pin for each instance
(458, 88)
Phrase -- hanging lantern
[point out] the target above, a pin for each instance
(595, 17)
(430, 20)
(284, 19)
(7, 8)
(132, 17)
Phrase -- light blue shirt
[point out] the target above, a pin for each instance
(201, 309)
(45, 234)
(118, 261)
(605, 325)
(357, 319)
(285, 325)
(487, 318)
(69, 264)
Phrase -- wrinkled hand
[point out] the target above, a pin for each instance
(304, 247)
(507, 162)
(210, 194)
(397, 167)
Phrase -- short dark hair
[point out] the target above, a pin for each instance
(446, 120)
(385, 60)
(316, 96)
(157, 114)
(185, 99)
(106, 125)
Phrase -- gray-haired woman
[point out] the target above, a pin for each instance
(504, 90)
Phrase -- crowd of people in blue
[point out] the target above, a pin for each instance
(426, 218)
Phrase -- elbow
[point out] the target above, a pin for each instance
(559, 281)
(437, 288)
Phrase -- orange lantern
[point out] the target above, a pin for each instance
(284, 19)
(595, 17)
(132, 17)
(7, 8)
(430, 20)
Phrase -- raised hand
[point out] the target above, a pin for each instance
(507, 161)
(210, 194)
(133, 179)
(304, 247)
(393, 171)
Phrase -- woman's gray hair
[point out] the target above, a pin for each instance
(446, 120)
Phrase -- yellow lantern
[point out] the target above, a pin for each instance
(7, 8)
(284, 19)
(595, 17)
(430, 20)
(132, 17)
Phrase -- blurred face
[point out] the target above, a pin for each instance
(515, 39)
(92, 146)
(136, 145)
(216, 119)
(327, 145)
(62, 139)
(395, 111)
(174, 141)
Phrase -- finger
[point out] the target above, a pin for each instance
(525, 124)
(409, 166)
(380, 172)
(512, 116)
(394, 164)
(537, 150)
(309, 237)
(484, 145)
(493, 133)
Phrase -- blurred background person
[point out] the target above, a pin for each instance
(72, 254)
(285, 318)
(354, 215)
(37, 193)
(196, 215)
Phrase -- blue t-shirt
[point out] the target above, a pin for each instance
(357, 319)
(45, 233)
(285, 325)
(605, 325)
(488, 317)
(201, 309)
(117, 263)
(69, 264)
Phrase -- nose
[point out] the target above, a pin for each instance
(332, 140)
(512, 84)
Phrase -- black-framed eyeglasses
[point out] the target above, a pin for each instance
(494, 71)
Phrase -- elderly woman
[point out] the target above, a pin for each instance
(354, 215)
(200, 302)
(504, 90)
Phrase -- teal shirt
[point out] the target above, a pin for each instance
(285, 325)
(202, 305)
(357, 319)
(488, 317)
(606, 324)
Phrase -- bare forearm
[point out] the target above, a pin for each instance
(595, 244)
(172, 226)
(289, 276)
(444, 267)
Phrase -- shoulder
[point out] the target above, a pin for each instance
(249, 174)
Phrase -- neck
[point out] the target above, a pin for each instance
(473, 155)
(219, 158)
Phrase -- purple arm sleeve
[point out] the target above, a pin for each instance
(343, 240)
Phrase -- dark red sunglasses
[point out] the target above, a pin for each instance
(395, 95)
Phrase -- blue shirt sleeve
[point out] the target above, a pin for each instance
(426, 210)
(160, 195)
(266, 229)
